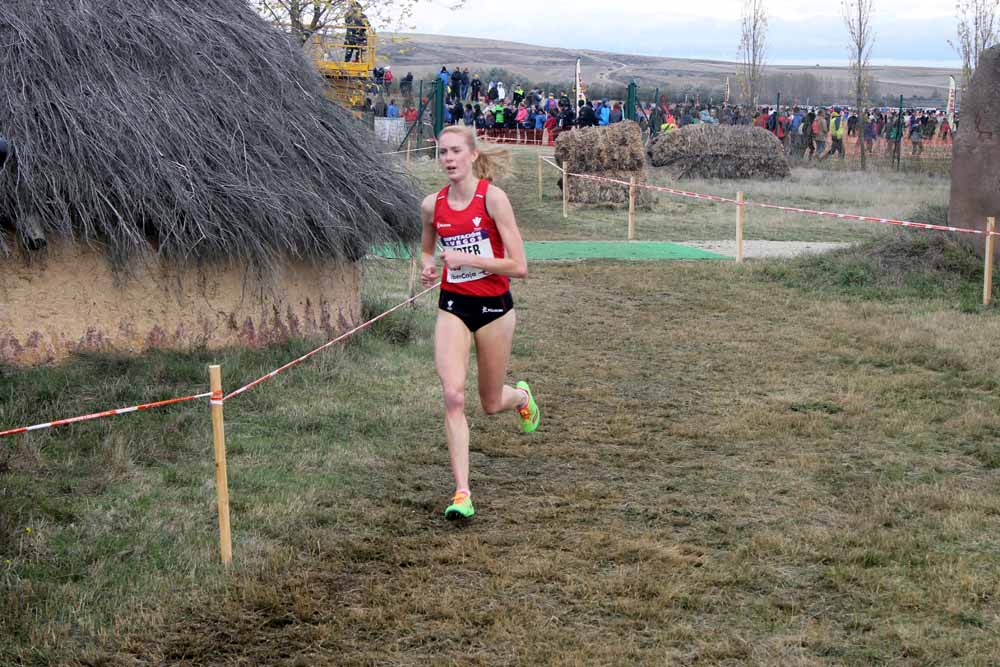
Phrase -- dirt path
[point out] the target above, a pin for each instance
(767, 248)
(606, 76)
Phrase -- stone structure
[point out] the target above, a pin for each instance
(67, 299)
(975, 168)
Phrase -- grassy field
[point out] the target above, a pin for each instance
(778, 463)
(672, 218)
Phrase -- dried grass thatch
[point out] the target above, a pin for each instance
(720, 151)
(612, 151)
(589, 191)
(196, 128)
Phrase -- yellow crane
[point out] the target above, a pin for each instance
(345, 56)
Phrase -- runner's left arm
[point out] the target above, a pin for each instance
(515, 263)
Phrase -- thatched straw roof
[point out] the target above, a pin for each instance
(192, 125)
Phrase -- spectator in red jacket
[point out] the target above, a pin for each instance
(550, 126)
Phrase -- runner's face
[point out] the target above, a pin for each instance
(456, 157)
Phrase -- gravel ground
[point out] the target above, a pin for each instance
(766, 248)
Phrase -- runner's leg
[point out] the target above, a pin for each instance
(493, 343)
(452, 342)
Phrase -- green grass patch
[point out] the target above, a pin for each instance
(907, 264)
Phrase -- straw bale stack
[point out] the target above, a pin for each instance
(611, 151)
(720, 151)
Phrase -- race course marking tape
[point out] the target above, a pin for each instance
(319, 349)
(794, 209)
(216, 398)
(106, 413)
(412, 150)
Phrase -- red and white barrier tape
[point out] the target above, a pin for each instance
(412, 150)
(508, 140)
(106, 413)
(216, 398)
(319, 349)
(868, 218)
(794, 209)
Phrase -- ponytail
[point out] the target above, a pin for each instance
(493, 163)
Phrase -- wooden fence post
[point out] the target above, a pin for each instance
(739, 226)
(221, 479)
(631, 208)
(565, 183)
(408, 140)
(413, 273)
(991, 224)
(539, 178)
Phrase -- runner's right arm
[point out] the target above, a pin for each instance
(428, 239)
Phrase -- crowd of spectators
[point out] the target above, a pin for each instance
(819, 132)
(538, 116)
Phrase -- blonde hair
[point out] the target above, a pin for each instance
(493, 162)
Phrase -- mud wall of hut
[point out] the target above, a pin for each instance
(69, 300)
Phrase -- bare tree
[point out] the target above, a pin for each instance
(857, 18)
(977, 31)
(753, 35)
(305, 18)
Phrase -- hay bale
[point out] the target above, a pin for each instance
(611, 151)
(720, 151)
(590, 150)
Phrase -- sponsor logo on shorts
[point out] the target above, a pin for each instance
(492, 310)
(450, 304)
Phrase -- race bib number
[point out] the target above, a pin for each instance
(475, 243)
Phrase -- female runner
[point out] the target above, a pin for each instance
(481, 250)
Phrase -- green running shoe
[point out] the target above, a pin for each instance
(530, 414)
(460, 508)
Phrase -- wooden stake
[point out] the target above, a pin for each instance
(991, 224)
(413, 274)
(565, 182)
(408, 141)
(739, 226)
(539, 178)
(221, 480)
(631, 208)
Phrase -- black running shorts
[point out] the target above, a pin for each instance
(476, 311)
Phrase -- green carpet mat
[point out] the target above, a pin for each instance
(543, 250)
(615, 250)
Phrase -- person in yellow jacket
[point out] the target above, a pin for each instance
(669, 123)
(838, 128)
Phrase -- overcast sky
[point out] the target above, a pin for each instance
(914, 32)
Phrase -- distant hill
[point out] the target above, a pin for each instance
(426, 54)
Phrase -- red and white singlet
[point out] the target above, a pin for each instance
(470, 230)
